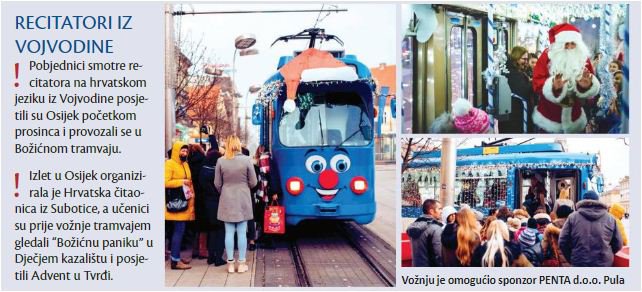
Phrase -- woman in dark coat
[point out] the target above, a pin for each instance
(214, 227)
(521, 85)
(195, 162)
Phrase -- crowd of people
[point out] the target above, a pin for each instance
(229, 193)
(586, 234)
(562, 88)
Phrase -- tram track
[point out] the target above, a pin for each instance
(340, 254)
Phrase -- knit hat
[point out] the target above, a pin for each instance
(469, 120)
(528, 237)
(514, 224)
(447, 211)
(564, 33)
(591, 195)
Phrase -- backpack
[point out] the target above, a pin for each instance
(534, 254)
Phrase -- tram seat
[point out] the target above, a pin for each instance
(334, 137)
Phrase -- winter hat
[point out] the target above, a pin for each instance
(520, 214)
(563, 211)
(564, 33)
(514, 224)
(591, 195)
(447, 211)
(469, 120)
(542, 218)
(528, 237)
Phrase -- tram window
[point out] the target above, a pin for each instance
(456, 60)
(326, 119)
(481, 192)
(471, 48)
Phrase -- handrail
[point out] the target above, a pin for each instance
(525, 112)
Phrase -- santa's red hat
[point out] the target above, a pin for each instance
(564, 33)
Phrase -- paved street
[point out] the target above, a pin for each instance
(385, 223)
(203, 275)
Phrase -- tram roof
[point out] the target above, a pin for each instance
(509, 149)
(351, 60)
(523, 158)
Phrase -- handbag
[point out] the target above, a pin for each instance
(274, 219)
(175, 200)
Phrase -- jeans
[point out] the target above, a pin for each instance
(240, 228)
(177, 237)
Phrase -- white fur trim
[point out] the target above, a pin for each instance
(593, 91)
(568, 36)
(289, 106)
(345, 73)
(546, 124)
(572, 127)
(547, 91)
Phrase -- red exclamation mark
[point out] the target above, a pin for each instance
(16, 69)
(17, 180)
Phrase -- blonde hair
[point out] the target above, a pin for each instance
(497, 235)
(232, 146)
(467, 235)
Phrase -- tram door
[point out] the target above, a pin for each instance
(464, 45)
(558, 183)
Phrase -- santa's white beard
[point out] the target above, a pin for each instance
(568, 62)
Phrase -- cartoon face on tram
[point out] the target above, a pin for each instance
(322, 149)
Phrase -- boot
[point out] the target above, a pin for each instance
(178, 265)
(242, 267)
(230, 266)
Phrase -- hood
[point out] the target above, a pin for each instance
(617, 210)
(591, 209)
(417, 228)
(176, 150)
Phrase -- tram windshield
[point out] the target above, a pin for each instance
(326, 119)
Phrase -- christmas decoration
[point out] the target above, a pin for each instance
(607, 91)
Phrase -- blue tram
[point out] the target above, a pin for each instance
(490, 177)
(322, 148)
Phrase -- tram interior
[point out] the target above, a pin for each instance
(447, 60)
(560, 183)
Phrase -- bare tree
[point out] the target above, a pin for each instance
(203, 95)
(411, 145)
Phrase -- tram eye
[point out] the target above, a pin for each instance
(340, 163)
(315, 164)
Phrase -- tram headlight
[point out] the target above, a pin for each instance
(294, 186)
(359, 185)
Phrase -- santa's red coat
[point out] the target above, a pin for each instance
(549, 114)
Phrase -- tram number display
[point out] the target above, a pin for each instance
(490, 150)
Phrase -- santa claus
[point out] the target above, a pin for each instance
(563, 75)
